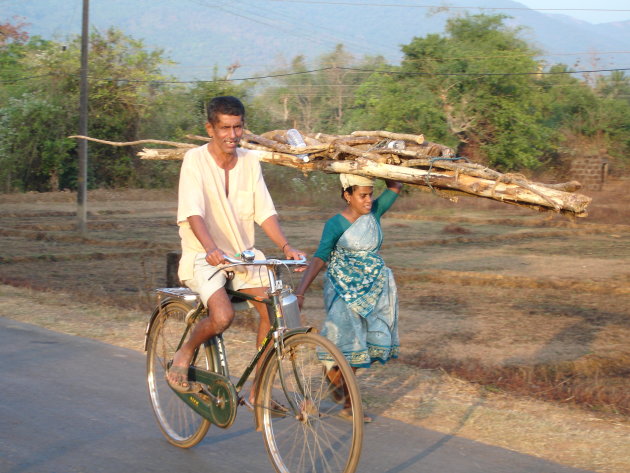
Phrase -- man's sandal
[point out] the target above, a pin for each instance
(177, 379)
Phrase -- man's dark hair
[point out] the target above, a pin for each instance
(224, 105)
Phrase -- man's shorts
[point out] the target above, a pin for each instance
(208, 279)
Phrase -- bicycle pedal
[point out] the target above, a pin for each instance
(244, 402)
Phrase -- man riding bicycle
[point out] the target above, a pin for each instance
(222, 194)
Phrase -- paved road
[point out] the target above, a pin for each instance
(69, 404)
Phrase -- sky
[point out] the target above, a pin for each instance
(590, 16)
(580, 9)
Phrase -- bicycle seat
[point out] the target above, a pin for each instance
(188, 295)
(183, 293)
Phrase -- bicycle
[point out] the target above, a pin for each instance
(297, 406)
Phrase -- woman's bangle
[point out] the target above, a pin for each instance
(283, 246)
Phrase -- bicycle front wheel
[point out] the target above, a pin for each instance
(180, 425)
(306, 426)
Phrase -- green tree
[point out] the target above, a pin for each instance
(124, 85)
(316, 99)
(567, 102)
(34, 147)
(37, 150)
(585, 119)
(293, 102)
(614, 91)
(400, 104)
(614, 86)
(455, 87)
(122, 88)
(12, 47)
(203, 91)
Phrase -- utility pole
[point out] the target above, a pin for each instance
(83, 122)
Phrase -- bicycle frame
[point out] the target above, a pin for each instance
(307, 425)
(275, 335)
(274, 308)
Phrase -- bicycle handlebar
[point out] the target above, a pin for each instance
(245, 260)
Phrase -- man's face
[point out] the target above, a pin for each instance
(226, 133)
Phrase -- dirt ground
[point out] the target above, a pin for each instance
(515, 325)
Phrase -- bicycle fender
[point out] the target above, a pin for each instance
(154, 315)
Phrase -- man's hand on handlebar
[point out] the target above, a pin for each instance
(215, 257)
(292, 253)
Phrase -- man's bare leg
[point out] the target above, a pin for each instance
(220, 316)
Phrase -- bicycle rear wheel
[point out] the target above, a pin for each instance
(180, 425)
(315, 434)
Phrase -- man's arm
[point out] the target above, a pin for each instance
(214, 255)
(271, 227)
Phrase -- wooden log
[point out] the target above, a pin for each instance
(392, 136)
(352, 151)
(162, 154)
(571, 186)
(356, 141)
(327, 138)
(441, 174)
(514, 193)
(283, 147)
(427, 150)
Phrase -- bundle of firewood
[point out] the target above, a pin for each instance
(401, 157)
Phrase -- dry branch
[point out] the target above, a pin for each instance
(139, 142)
(392, 136)
(380, 154)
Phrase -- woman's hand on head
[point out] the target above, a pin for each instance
(395, 186)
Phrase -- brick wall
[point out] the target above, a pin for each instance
(591, 171)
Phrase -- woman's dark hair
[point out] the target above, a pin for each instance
(349, 190)
(224, 105)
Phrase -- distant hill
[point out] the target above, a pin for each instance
(261, 35)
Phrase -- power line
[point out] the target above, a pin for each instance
(510, 55)
(446, 7)
(405, 60)
(20, 79)
(476, 74)
(598, 54)
(450, 58)
(323, 69)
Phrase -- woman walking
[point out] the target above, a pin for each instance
(360, 294)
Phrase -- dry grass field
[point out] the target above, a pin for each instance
(515, 325)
